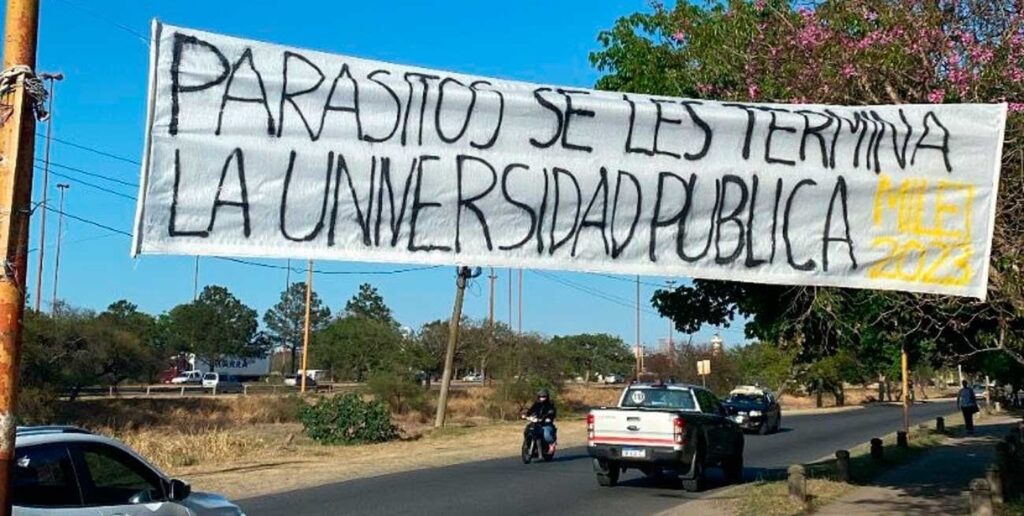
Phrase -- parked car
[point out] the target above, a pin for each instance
(69, 471)
(222, 384)
(188, 377)
(612, 379)
(678, 430)
(755, 409)
(473, 377)
(294, 380)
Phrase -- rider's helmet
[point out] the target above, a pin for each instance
(542, 395)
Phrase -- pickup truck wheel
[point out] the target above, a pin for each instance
(695, 484)
(607, 473)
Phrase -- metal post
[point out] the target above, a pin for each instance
(639, 347)
(520, 329)
(52, 78)
(63, 187)
(906, 387)
(195, 280)
(305, 330)
(453, 337)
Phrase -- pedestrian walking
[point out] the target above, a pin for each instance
(967, 402)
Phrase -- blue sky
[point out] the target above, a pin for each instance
(102, 48)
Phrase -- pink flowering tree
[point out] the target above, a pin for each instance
(845, 52)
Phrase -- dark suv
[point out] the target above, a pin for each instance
(755, 409)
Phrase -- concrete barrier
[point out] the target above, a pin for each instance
(842, 465)
(981, 497)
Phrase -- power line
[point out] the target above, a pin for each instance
(92, 150)
(92, 174)
(627, 280)
(253, 263)
(593, 292)
(113, 23)
(91, 185)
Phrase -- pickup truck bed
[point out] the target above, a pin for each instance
(661, 429)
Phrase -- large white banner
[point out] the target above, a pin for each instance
(267, 151)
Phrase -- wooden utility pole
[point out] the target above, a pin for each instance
(305, 329)
(906, 388)
(17, 141)
(490, 325)
(510, 320)
(52, 78)
(63, 187)
(464, 274)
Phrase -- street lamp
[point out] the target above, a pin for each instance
(52, 78)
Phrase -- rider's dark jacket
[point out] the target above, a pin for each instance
(542, 410)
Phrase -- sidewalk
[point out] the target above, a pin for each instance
(935, 483)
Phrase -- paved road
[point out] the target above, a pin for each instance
(567, 485)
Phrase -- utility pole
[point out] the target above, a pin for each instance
(639, 348)
(52, 78)
(906, 388)
(195, 280)
(63, 187)
(520, 301)
(20, 88)
(305, 330)
(490, 324)
(464, 274)
(671, 345)
(510, 321)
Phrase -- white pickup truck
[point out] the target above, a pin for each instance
(663, 429)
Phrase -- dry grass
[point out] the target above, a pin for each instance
(772, 498)
(853, 395)
(134, 413)
(169, 449)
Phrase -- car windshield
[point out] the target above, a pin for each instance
(210, 376)
(745, 398)
(676, 399)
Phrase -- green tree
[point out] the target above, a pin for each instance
(286, 320)
(215, 326)
(850, 52)
(588, 354)
(370, 304)
(352, 347)
(766, 364)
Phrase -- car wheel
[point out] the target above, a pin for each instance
(607, 473)
(778, 423)
(764, 428)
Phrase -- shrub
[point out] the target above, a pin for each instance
(400, 392)
(347, 419)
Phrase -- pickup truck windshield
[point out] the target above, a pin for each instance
(670, 399)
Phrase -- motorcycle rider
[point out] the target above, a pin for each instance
(544, 410)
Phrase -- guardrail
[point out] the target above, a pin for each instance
(185, 390)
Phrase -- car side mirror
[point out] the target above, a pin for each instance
(180, 490)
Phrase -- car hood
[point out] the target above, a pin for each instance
(211, 504)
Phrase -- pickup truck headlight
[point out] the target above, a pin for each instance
(755, 413)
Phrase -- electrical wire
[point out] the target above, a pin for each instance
(90, 174)
(253, 263)
(91, 149)
(597, 293)
(91, 185)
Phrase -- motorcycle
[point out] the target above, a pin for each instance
(534, 445)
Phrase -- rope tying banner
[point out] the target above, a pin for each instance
(33, 86)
